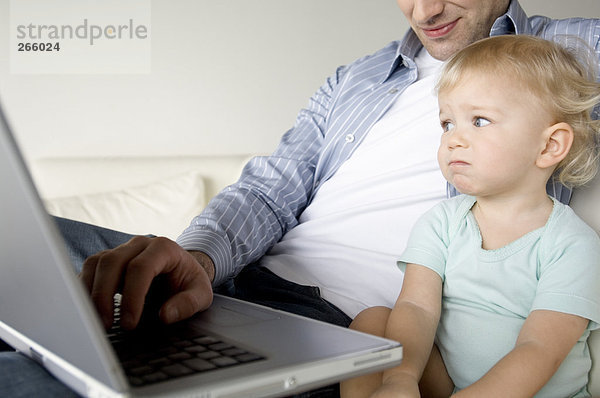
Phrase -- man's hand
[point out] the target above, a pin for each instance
(130, 270)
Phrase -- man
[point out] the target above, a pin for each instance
(318, 219)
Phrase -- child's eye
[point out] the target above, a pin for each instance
(480, 122)
(447, 126)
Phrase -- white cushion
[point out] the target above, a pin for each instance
(161, 208)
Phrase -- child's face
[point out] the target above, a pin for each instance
(492, 136)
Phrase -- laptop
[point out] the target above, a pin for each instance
(233, 349)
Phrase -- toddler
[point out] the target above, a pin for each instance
(502, 284)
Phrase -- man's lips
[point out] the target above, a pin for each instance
(439, 31)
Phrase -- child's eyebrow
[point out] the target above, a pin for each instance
(479, 107)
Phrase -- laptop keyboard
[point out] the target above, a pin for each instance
(164, 353)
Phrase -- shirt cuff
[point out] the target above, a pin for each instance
(213, 245)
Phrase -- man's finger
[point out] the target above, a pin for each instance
(108, 276)
(160, 256)
(197, 296)
(89, 271)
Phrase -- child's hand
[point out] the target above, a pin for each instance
(398, 386)
(388, 391)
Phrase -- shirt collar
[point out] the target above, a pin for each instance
(514, 21)
(407, 50)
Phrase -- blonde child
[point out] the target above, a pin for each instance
(502, 284)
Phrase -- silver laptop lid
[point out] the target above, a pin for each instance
(28, 275)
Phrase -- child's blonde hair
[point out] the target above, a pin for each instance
(551, 73)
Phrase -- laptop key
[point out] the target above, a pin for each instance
(208, 355)
(232, 352)
(182, 343)
(206, 340)
(195, 349)
(132, 363)
(224, 361)
(177, 370)
(142, 370)
(160, 362)
(220, 346)
(249, 357)
(154, 377)
(199, 365)
(165, 351)
(180, 356)
(136, 381)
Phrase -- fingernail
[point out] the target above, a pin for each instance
(172, 314)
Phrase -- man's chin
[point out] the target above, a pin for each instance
(445, 47)
(442, 51)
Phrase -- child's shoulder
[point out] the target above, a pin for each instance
(457, 206)
(449, 213)
(566, 226)
(564, 217)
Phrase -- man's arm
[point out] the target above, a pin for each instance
(546, 338)
(243, 221)
(238, 227)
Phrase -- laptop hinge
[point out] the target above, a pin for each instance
(36, 356)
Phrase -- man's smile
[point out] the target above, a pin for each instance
(439, 31)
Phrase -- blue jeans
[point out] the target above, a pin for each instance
(21, 377)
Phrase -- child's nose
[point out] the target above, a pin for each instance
(456, 138)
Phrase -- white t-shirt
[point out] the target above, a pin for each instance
(353, 232)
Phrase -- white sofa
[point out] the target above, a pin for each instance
(161, 195)
(158, 195)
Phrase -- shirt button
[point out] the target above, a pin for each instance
(393, 91)
(350, 138)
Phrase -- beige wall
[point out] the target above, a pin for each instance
(228, 76)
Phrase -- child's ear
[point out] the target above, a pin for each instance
(558, 141)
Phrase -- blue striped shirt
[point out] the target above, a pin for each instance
(243, 221)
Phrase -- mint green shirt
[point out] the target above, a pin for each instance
(487, 294)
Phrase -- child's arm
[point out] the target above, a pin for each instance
(413, 321)
(543, 343)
